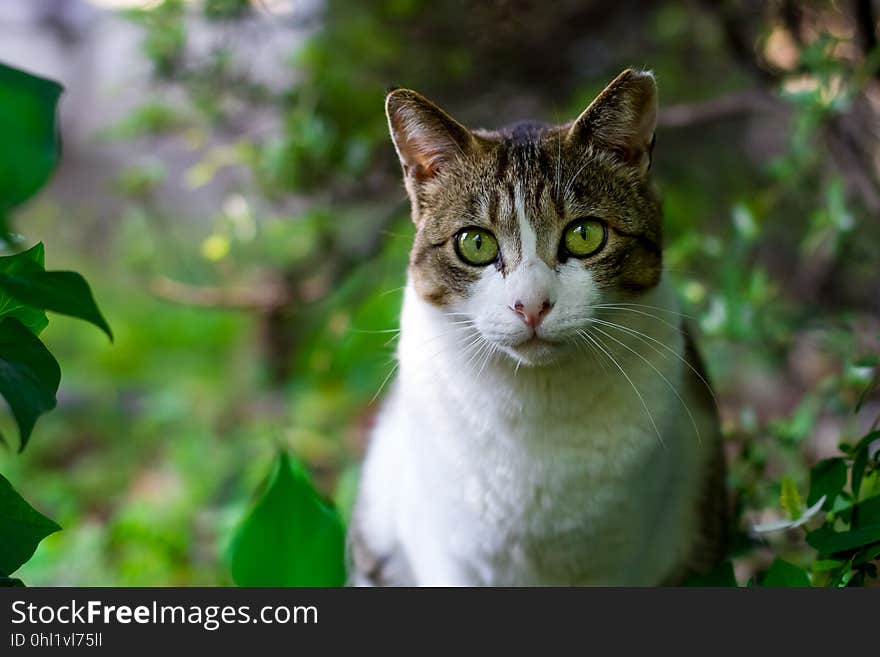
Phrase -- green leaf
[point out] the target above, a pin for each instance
(783, 573)
(723, 575)
(866, 440)
(828, 478)
(867, 554)
(828, 541)
(64, 292)
(21, 529)
(29, 376)
(790, 500)
(858, 470)
(34, 318)
(30, 137)
(27, 290)
(843, 577)
(866, 512)
(290, 537)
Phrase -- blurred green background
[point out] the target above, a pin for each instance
(228, 188)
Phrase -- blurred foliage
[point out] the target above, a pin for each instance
(269, 323)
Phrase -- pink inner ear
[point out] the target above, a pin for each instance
(427, 162)
(425, 136)
(622, 118)
(424, 150)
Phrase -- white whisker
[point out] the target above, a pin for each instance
(662, 376)
(604, 349)
(644, 337)
(592, 351)
(643, 313)
(384, 383)
(643, 305)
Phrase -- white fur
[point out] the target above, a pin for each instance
(497, 464)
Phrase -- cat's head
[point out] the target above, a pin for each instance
(524, 230)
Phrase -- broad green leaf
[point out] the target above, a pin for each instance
(64, 292)
(827, 478)
(869, 553)
(723, 575)
(790, 499)
(30, 137)
(827, 541)
(21, 529)
(34, 318)
(866, 513)
(29, 376)
(783, 573)
(290, 537)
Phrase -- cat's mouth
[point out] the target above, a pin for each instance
(535, 349)
(534, 341)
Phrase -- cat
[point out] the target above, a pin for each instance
(550, 422)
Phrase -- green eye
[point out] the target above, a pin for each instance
(584, 237)
(476, 246)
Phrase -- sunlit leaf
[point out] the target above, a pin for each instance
(790, 500)
(290, 537)
(858, 470)
(21, 529)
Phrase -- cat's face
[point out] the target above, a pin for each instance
(523, 232)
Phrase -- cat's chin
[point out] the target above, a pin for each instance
(537, 352)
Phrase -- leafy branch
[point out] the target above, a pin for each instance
(29, 373)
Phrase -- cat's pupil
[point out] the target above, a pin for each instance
(582, 231)
(478, 241)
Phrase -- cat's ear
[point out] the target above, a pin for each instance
(622, 119)
(426, 137)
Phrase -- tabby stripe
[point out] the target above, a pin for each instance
(539, 191)
(493, 207)
(503, 158)
(647, 243)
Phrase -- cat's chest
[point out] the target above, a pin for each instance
(559, 494)
(562, 521)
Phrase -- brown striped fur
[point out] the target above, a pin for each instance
(592, 167)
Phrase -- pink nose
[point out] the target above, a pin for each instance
(533, 313)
